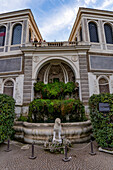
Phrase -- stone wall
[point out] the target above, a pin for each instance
(41, 132)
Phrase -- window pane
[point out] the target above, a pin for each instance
(2, 36)
(93, 32)
(108, 34)
(17, 30)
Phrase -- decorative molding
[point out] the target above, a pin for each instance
(36, 59)
(74, 58)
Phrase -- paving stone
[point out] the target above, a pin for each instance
(18, 159)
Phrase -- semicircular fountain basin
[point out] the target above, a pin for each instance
(41, 132)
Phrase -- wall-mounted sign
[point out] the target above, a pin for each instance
(104, 107)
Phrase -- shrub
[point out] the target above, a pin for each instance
(41, 110)
(56, 90)
(102, 123)
(22, 118)
(7, 115)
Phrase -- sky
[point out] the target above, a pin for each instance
(54, 18)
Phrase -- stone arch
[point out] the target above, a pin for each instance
(61, 60)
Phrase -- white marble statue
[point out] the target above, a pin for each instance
(57, 131)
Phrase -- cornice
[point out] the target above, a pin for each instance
(55, 49)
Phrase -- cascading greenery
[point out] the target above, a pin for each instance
(53, 104)
(7, 114)
(102, 122)
(57, 90)
(46, 110)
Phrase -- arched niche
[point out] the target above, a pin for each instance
(103, 85)
(55, 70)
(8, 87)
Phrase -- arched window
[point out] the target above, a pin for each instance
(2, 35)
(108, 33)
(16, 36)
(93, 32)
(103, 85)
(8, 88)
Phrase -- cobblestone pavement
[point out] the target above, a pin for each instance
(18, 159)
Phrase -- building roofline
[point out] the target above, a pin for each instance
(83, 10)
(22, 12)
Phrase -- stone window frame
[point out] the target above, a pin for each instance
(10, 79)
(106, 78)
(11, 33)
(110, 24)
(98, 33)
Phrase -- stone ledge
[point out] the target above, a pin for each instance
(104, 150)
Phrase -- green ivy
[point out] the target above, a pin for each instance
(102, 123)
(46, 110)
(56, 90)
(7, 115)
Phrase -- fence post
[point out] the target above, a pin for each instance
(66, 159)
(32, 152)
